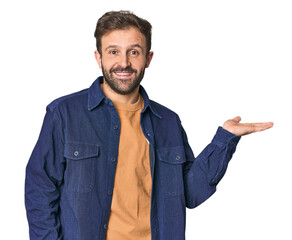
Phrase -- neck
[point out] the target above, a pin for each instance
(116, 97)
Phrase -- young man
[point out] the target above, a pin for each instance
(112, 164)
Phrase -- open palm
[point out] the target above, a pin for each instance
(240, 129)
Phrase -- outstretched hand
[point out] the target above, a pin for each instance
(240, 129)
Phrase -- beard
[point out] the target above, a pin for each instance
(119, 85)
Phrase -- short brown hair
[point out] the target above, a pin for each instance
(121, 20)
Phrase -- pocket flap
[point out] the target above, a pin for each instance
(175, 155)
(78, 151)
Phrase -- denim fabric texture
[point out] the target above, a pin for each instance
(70, 174)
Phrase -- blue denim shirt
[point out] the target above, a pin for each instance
(70, 174)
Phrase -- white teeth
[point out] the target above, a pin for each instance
(123, 73)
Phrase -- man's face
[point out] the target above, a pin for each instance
(123, 59)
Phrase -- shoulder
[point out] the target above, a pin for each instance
(71, 100)
(163, 111)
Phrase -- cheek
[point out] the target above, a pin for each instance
(107, 65)
(139, 63)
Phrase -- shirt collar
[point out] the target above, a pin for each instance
(96, 96)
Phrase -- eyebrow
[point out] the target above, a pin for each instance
(131, 46)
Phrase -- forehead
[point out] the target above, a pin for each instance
(123, 38)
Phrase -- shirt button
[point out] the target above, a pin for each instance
(113, 159)
(105, 226)
(231, 143)
(76, 153)
(177, 158)
(148, 134)
(116, 127)
(109, 192)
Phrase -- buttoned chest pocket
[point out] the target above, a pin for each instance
(170, 170)
(81, 166)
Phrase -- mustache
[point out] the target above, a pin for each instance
(120, 69)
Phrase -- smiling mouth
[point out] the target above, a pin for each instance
(123, 75)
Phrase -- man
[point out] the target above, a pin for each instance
(112, 164)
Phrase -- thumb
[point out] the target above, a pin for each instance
(237, 119)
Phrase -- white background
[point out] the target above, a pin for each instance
(213, 60)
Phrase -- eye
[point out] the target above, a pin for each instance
(113, 52)
(134, 52)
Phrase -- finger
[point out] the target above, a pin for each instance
(258, 127)
(263, 126)
(237, 119)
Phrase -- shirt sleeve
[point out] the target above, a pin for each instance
(44, 176)
(202, 174)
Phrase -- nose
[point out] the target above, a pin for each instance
(124, 61)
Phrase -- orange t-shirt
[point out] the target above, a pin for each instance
(130, 209)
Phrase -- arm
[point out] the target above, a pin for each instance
(201, 175)
(44, 175)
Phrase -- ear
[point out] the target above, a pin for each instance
(149, 58)
(98, 58)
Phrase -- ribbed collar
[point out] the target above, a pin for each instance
(130, 107)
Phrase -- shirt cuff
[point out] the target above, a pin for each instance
(224, 137)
